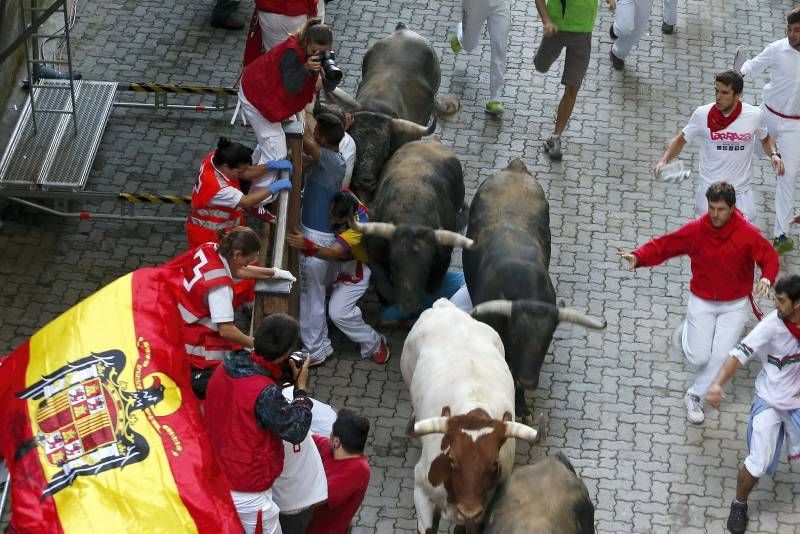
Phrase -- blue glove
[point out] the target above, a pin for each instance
(280, 185)
(279, 165)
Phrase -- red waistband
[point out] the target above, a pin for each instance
(781, 115)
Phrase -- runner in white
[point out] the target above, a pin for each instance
(726, 131)
(781, 107)
(775, 413)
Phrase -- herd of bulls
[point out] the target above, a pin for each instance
(467, 374)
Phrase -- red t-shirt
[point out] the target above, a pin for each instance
(347, 484)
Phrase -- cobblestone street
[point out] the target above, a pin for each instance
(614, 398)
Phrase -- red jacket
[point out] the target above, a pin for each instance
(290, 8)
(204, 222)
(262, 84)
(250, 457)
(722, 258)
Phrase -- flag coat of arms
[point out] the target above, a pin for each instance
(101, 432)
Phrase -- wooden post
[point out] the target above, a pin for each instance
(275, 302)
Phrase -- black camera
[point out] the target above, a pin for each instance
(299, 356)
(333, 74)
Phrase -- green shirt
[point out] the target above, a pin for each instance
(579, 15)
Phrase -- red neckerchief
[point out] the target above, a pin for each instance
(793, 328)
(717, 121)
(274, 370)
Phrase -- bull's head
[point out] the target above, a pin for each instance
(413, 255)
(469, 464)
(529, 330)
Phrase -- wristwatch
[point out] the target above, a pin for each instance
(776, 154)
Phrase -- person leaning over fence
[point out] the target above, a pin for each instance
(217, 198)
(247, 418)
(276, 86)
(775, 413)
(207, 301)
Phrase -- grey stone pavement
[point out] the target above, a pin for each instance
(614, 398)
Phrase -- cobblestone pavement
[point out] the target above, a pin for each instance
(613, 398)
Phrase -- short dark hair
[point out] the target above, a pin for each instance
(793, 16)
(232, 154)
(241, 238)
(721, 191)
(352, 430)
(731, 78)
(790, 286)
(344, 205)
(275, 335)
(331, 128)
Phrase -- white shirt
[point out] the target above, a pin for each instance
(220, 300)
(778, 383)
(347, 148)
(782, 93)
(727, 154)
(302, 482)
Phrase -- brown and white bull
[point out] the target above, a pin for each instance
(463, 399)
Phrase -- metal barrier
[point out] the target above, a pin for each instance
(161, 92)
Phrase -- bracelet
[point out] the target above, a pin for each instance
(766, 281)
(776, 154)
(311, 247)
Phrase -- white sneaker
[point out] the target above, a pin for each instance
(694, 409)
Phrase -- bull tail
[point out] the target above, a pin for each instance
(400, 26)
(564, 460)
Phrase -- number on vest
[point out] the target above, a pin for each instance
(202, 261)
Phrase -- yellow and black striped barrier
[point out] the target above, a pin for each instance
(178, 89)
(155, 199)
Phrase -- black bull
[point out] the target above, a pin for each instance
(506, 272)
(395, 103)
(414, 214)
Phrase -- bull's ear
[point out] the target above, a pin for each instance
(446, 411)
(507, 417)
(439, 470)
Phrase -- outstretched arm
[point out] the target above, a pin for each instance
(716, 391)
(673, 149)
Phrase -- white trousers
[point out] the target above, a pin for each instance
(786, 133)
(670, 12)
(766, 432)
(630, 21)
(271, 141)
(344, 311)
(249, 504)
(712, 329)
(474, 14)
(744, 201)
(276, 28)
(462, 299)
(316, 275)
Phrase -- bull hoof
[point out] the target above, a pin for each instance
(542, 424)
(447, 105)
(526, 419)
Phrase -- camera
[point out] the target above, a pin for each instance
(333, 74)
(299, 356)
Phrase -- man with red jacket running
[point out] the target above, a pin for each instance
(248, 416)
(723, 248)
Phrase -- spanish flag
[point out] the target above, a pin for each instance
(100, 430)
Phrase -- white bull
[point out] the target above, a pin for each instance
(461, 388)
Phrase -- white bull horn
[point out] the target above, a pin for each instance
(412, 129)
(453, 239)
(431, 425)
(379, 229)
(568, 315)
(496, 307)
(348, 103)
(520, 431)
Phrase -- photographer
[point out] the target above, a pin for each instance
(248, 416)
(279, 84)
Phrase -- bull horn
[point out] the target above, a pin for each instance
(496, 307)
(431, 425)
(568, 315)
(520, 431)
(378, 114)
(412, 129)
(379, 229)
(453, 239)
(348, 103)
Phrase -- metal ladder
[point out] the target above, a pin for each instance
(32, 16)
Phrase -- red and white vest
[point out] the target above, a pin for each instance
(251, 457)
(290, 8)
(262, 84)
(203, 271)
(204, 222)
